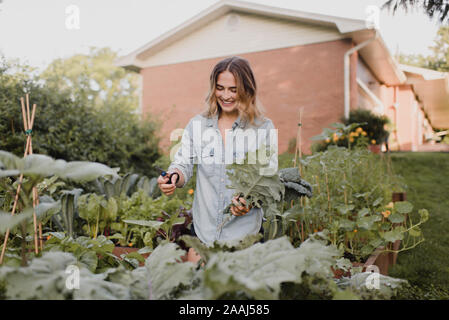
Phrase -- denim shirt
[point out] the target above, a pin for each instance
(202, 145)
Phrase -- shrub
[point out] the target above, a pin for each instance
(374, 124)
(65, 128)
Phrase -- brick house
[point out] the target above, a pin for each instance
(319, 64)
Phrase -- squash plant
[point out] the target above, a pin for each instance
(352, 201)
(35, 168)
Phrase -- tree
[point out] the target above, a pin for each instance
(439, 8)
(66, 128)
(439, 58)
(94, 80)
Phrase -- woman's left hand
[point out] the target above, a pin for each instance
(237, 209)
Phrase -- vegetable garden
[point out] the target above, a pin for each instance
(326, 222)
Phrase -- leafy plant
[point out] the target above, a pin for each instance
(270, 270)
(95, 254)
(97, 211)
(258, 189)
(34, 169)
(46, 278)
(352, 201)
(374, 125)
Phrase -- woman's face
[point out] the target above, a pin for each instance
(226, 92)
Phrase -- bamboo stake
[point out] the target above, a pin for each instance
(30, 127)
(27, 124)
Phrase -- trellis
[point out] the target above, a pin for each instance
(28, 121)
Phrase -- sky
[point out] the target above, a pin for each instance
(37, 32)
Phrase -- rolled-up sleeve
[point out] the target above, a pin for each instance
(185, 157)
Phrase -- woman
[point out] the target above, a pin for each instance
(219, 136)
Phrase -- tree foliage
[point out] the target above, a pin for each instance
(66, 127)
(94, 79)
(438, 60)
(438, 8)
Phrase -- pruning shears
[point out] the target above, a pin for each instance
(165, 173)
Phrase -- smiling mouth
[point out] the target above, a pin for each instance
(227, 103)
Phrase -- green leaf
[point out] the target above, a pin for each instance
(415, 232)
(424, 215)
(392, 236)
(152, 224)
(7, 221)
(345, 209)
(403, 207)
(90, 259)
(378, 201)
(367, 222)
(363, 212)
(396, 218)
(347, 225)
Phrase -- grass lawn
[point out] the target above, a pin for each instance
(426, 267)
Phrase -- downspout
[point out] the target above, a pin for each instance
(346, 70)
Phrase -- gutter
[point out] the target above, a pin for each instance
(346, 70)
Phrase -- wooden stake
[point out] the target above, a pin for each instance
(27, 125)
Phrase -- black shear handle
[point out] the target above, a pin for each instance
(171, 175)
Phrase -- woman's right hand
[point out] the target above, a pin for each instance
(166, 188)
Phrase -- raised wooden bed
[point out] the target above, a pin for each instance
(118, 251)
(383, 260)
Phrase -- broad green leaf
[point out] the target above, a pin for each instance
(345, 209)
(378, 201)
(90, 259)
(392, 236)
(347, 225)
(367, 222)
(165, 272)
(45, 166)
(376, 242)
(363, 212)
(396, 218)
(415, 232)
(403, 207)
(150, 223)
(7, 221)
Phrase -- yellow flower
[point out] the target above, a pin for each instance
(328, 140)
(130, 244)
(48, 237)
(386, 213)
(358, 130)
(190, 191)
(351, 139)
(355, 230)
(356, 134)
(373, 141)
(335, 137)
(315, 230)
(364, 133)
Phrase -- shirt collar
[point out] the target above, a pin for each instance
(213, 122)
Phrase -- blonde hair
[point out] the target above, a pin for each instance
(249, 107)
